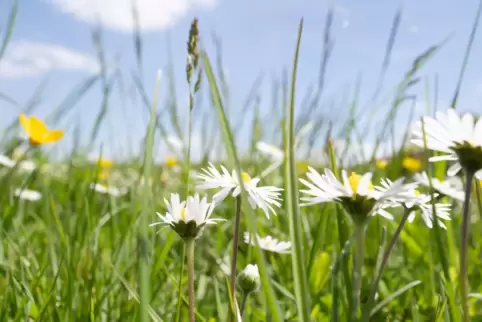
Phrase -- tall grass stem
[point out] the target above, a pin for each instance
(291, 196)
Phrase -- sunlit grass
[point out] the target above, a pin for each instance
(75, 238)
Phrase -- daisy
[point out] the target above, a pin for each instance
(416, 202)
(271, 151)
(6, 161)
(275, 154)
(30, 195)
(262, 197)
(356, 193)
(458, 136)
(249, 279)
(104, 189)
(451, 187)
(24, 165)
(187, 218)
(269, 243)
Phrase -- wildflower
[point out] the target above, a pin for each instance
(381, 164)
(171, 162)
(461, 138)
(6, 161)
(272, 151)
(451, 187)
(356, 193)
(187, 218)
(277, 157)
(30, 195)
(458, 136)
(104, 189)
(249, 280)
(24, 165)
(416, 202)
(37, 131)
(105, 163)
(269, 243)
(262, 197)
(412, 164)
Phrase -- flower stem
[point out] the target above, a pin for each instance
(181, 273)
(373, 289)
(358, 258)
(190, 277)
(243, 303)
(464, 243)
(234, 260)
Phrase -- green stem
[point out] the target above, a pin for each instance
(190, 277)
(464, 243)
(181, 273)
(358, 258)
(234, 260)
(243, 303)
(373, 289)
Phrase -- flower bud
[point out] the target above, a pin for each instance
(249, 279)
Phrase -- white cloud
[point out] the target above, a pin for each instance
(117, 14)
(28, 59)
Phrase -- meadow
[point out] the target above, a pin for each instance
(344, 237)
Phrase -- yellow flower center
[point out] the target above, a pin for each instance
(183, 213)
(412, 164)
(105, 163)
(381, 164)
(417, 193)
(171, 162)
(246, 178)
(38, 133)
(354, 180)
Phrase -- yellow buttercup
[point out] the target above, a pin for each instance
(38, 133)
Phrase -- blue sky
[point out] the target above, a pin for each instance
(52, 42)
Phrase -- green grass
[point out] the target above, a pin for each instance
(77, 255)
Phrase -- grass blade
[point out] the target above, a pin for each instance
(291, 200)
(394, 295)
(233, 157)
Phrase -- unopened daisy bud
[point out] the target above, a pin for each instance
(249, 279)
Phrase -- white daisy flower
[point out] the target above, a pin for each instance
(271, 151)
(187, 218)
(30, 195)
(416, 202)
(262, 197)
(275, 154)
(452, 187)
(269, 243)
(458, 136)
(24, 165)
(113, 191)
(356, 192)
(6, 161)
